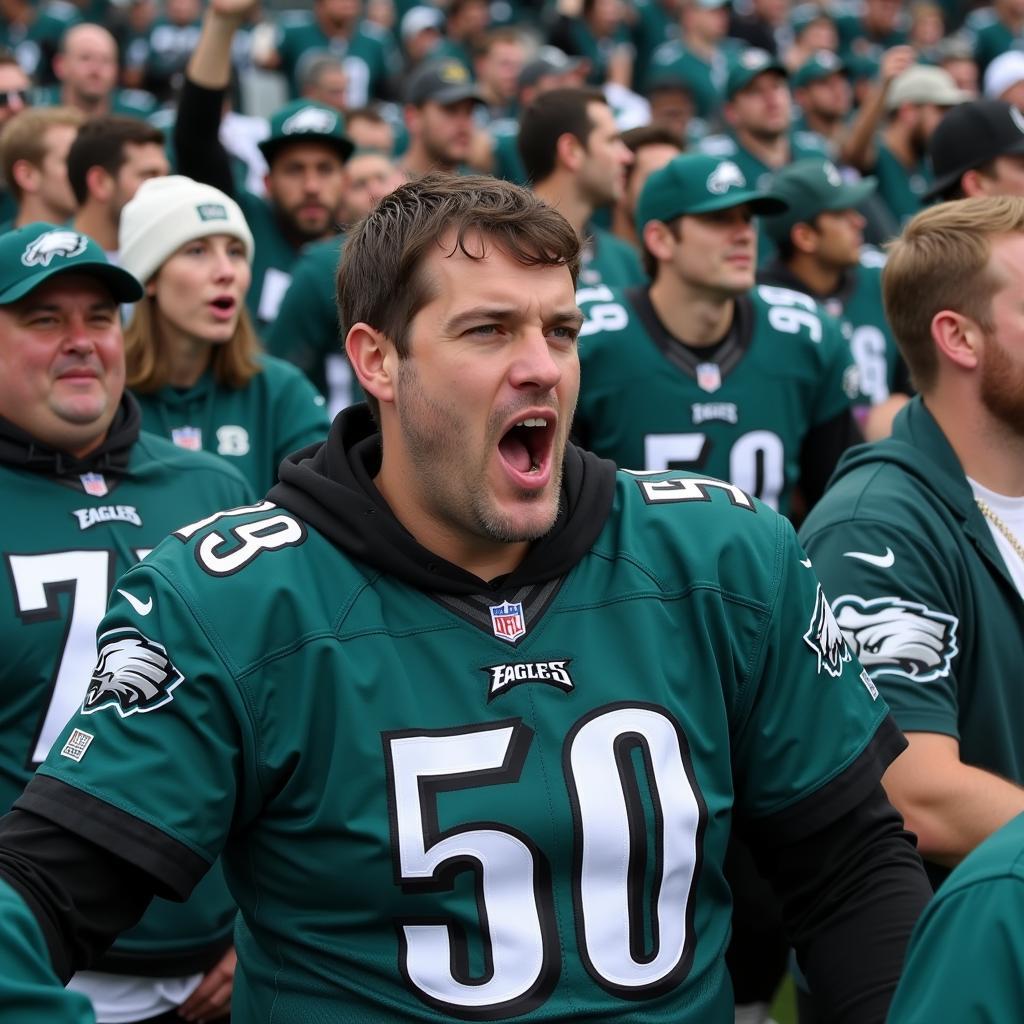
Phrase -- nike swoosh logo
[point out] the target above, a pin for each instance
(805, 562)
(142, 607)
(882, 561)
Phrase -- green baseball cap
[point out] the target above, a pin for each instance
(747, 66)
(803, 16)
(35, 253)
(699, 183)
(306, 121)
(820, 65)
(810, 187)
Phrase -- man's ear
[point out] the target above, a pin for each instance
(373, 359)
(957, 338)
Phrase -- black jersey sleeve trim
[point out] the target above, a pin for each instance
(822, 447)
(174, 867)
(836, 798)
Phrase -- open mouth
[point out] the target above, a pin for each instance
(526, 447)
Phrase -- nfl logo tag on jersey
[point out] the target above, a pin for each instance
(94, 484)
(188, 437)
(507, 622)
(709, 376)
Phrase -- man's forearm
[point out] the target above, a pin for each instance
(210, 64)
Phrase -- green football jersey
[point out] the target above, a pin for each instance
(369, 55)
(306, 331)
(922, 592)
(901, 190)
(63, 548)
(128, 102)
(989, 36)
(608, 260)
(964, 958)
(29, 989)
(253, 427)
(857, 306)
(649, 402)
(493, 806)
(706, 82)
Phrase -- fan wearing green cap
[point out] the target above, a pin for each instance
(818, 242)
(86, 495)
(703, 370)
(759, 112)
(822, 90)
(306, 152)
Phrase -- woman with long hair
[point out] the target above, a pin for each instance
(193, 359)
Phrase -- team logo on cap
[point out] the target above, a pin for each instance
(755, 59)
(453, 73)
(724, 177)
(1018, 118)
(315, 120)
(832, 175)
(41, 250)
(212, 211)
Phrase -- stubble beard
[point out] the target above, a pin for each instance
(1002, 386)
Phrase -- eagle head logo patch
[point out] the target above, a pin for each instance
(825, 638)
(725, 176)
(899, 637)
(41, 250)
(133, 673)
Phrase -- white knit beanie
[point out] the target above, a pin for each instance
(166, 213)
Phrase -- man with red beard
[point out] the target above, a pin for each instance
(306, 153)
(919, 541)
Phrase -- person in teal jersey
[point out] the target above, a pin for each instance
(421, 734)
(161, 54)
(466, 23)
(29, 988)
(306, 331)
(819, 241)
(305, 150)
(700, 55)
(701, 370)
(193, 358)
(336, 26)
(964, 958)
(574, 155)
(86, 68)
(872, 27)
(759, 112)
(601, 36)
(87, 494)
(918, 538)
(654, 22)
(907, 103)
(993, 30)
(824, 97)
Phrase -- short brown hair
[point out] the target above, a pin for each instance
(147, 360)
(101, 142)
(381, 280)
(940, 262)
(24, 138)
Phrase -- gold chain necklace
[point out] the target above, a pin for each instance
(987, 512)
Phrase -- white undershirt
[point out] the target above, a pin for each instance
(117, 998)
(1011, 512)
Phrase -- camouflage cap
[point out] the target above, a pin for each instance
(306, 121)
(698, 183)
(35, 253)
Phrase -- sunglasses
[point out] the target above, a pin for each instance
(14, 97)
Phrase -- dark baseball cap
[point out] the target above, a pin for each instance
(699, 183)
(748, 66)
(441, 81)
(811, 187)
(306, 121)
(820, 65)
(970, 135)
(550, 60)
(35, 253)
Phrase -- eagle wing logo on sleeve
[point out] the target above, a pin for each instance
(133, 673)
(825, 638)
(898, 637)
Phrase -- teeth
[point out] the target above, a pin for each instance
(535, 422)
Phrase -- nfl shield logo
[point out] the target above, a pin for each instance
(94, 484)
(709, 376)
(188, 437)
(507, 622)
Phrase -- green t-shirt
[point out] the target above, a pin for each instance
(369, 55)
(608, 260)
(29, 988)
(739, 411)
(964, 958)
(306, 331)
(901, 190)
(922, 592)
(253, 427)
(127, 102)
(421, 820)
(63, 549)
(706, 81)
(653, 25)
(166, 47)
